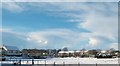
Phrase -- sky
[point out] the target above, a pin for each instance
(55, 25)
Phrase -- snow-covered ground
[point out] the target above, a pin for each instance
(67, 61)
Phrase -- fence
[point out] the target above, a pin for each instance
(44, 63)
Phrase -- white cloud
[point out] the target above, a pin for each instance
(98, 42)
(93, 42)
(6, 30)
(19, 39)
(58, 38)
(102, 25)
(100, 21)
(12, 7)
(37, 38)
(9, 30)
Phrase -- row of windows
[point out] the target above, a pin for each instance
(13, 51)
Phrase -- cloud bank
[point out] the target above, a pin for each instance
(100, 19)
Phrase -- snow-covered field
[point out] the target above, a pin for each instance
(66, 61)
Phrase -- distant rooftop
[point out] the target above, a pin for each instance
(10, 47)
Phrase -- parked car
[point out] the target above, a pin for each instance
(103, 55)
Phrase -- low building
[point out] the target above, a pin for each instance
(11, 51)
(69, 54)
(65, 53)
(35, 53)
(73, 54)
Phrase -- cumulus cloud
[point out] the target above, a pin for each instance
(35, 37)
(51, 38)
(55, 37)
(101, 25)
(93, 42)
(64, 37)
(59, 38)
(19, 39)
